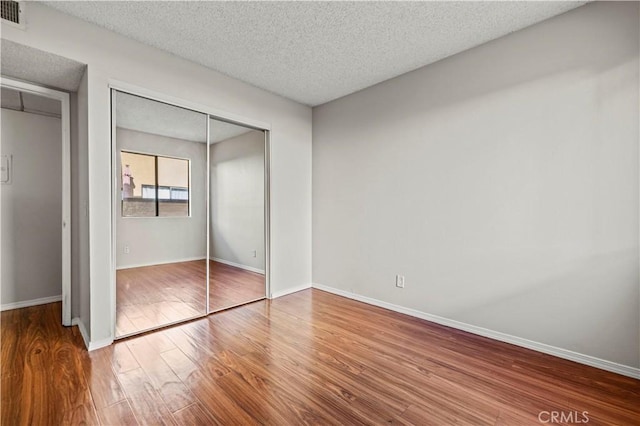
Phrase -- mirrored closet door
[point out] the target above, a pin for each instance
(237, 254)
(160, 208)
(189, 208)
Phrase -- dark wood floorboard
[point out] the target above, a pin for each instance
(307, 358)
(152, 296)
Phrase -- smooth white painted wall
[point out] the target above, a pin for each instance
(155, 240)
(113, 57)
(237, 200)
(80, 265)
(74, 119)
(31, 207)
(502, 182)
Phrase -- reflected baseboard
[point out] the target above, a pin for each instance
(142, 265)
(238, 265)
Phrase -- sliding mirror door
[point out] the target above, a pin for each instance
(237, 250)
(160, 167)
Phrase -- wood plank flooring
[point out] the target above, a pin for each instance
(307, 358)
(152, 296)
(231, 286)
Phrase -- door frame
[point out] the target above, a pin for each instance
(212, 113)
(65, 120)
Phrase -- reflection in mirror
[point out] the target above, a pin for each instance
(237, 215)
(160, 186)
(161, 172)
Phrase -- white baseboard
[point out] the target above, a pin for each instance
(603, 364)
(83, 331)
(91, 346)
(166, 262)
(237, 265)
(289, 291)
(32, 302)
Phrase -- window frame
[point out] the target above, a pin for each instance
(157, 200)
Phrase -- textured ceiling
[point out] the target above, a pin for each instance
(144, 115)
(314, 52)
(37, 66)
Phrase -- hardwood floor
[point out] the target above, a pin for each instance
(156, 295)
(231, 286)
(152, 296)
(309, 357)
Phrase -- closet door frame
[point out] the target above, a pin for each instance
(211, 113)
(65, 182)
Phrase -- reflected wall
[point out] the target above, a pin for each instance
(237, 255)
(189, 214)
(161, 214)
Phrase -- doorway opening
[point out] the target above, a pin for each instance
(36, 196)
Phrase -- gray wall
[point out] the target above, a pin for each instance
(155, 240)
(32, 208)
(237, 200)
(502, 182)
(111, 57)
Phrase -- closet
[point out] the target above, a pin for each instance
(189, 208)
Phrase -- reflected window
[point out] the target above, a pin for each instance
(154, 185)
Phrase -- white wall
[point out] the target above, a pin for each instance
(31, 208)
(502, 182)
(80, 265)
(155, 240)
(112, 57)
(237, 200)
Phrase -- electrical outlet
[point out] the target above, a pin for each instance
(400, 281)
(254, 253)
(127, 250)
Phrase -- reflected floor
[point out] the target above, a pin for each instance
(231, 286)
(152, 296)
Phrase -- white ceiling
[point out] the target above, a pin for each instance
(28, 102)
(11, 99)
(144, 115)
(313, 52)
(221, 130)
(37, 66)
